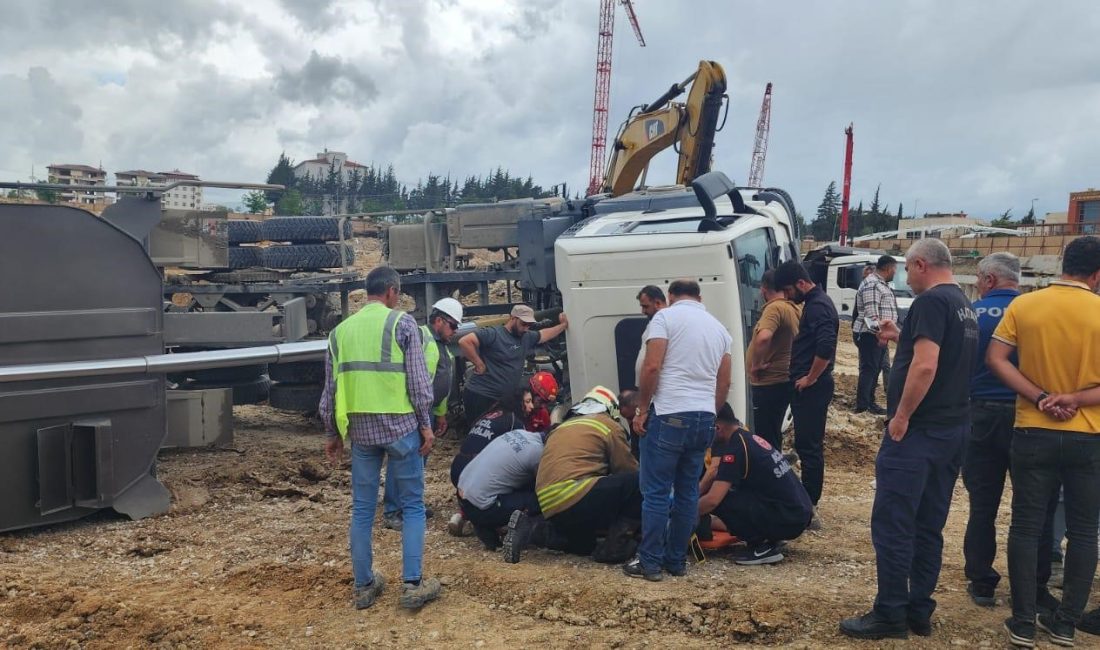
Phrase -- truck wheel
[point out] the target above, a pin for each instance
(304, 229)
(229, 375)
(246, 392)
(298, 372)
(306, 256)
(302, 398)
(245, 257)
(244, 231)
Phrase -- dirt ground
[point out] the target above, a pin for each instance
(253, 554)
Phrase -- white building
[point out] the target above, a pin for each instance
(67, 174)
(183, 197)
(318, 168)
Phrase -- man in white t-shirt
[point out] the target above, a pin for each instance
(685, 378)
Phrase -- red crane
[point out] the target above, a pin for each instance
(603, 86)
(760, 146)
(847, 188)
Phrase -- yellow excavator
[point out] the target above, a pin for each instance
(652, 128)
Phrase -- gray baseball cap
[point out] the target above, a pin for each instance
(524, 313)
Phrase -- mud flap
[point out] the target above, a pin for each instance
(143, 499)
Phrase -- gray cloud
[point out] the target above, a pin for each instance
(315, 15)
(38, 114)
(325, 79)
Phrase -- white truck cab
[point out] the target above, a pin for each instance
(725, 241)
(839, 270)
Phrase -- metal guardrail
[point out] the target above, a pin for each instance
(161, 363)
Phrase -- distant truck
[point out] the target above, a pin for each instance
(839, 271)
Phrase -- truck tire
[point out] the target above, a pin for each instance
(306, 256)
(302, 398)
(229, 375)
(245, 257)
(246, 392)
(304, 229)
(298, 372)
(244, 231)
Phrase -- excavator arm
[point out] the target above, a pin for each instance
(662, 124)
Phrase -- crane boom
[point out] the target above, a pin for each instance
(760, 145)
(847, 187)
(633, 17)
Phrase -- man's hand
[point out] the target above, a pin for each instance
(334, 450)
(803, 383)
(898, 427)
(563, 319)
(427, 439)
(639, 422)
(888, 331)
(479, 368)
(1060, 407)
(440, 425)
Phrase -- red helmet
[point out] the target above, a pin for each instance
(545, 386)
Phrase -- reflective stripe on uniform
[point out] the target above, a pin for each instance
(595, 424)
(554, 495)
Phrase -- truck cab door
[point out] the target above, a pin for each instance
(843, 282)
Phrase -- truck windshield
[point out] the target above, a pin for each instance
(900, 283)
(754, 257)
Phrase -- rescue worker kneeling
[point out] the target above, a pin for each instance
(587, 484)
(499, 481)
(753, 492)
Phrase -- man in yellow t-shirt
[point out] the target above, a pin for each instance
(1056, 335)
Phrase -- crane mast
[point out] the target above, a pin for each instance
(601, 101)
(760, 146)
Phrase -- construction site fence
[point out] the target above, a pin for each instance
(977, 247)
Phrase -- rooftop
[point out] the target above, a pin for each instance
(175, 173)
(82, 168)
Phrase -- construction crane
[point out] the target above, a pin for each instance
(760, 146)
(847, 187)
(603, 86)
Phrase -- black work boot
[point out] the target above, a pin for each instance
(873, 627)
(619, 545)
(520, 527)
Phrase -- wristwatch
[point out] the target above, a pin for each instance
(1042, 396)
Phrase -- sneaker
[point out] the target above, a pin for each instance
(1090, 622)
(365, 596)
(416, 596)
(872, 627)
(457, 525)
(392, 521)
(764, 553)
(1060, 632)
(1046, 603)
(676, 572)
(919, 626)
(488, 537)
(520, 527)
(982, 595)
(1020, 635)
(634, 569)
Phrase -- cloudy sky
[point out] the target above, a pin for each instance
(976, 106)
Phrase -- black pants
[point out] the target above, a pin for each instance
(476, 405)
(612, 498)
(755, 518)
(1041, 459)
(985, 465)
(914, 481)
(810, 409)
(769, 405)
(872, 360)
(500, 512)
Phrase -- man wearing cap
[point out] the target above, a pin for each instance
(443, 322)
(498, 354)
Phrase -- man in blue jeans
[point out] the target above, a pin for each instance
(685, 379)
(378, 392)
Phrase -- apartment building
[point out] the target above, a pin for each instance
(67, 174)
(183, 197)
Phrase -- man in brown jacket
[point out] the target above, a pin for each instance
(587, 483)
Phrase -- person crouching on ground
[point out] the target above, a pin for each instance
(587, 482)
(499, 482)
(754, 492)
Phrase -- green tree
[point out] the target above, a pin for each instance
(828, 211)
(1029, 218)
(290, 203)
(281, 174)
(47, 195)
(901, 213)
(255, 202)
(1003, 221)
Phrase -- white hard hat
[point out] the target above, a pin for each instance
(449, 306)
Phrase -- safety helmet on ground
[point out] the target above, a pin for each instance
(450, 307)
(545, 386)
(598, 399)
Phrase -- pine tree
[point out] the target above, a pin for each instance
(1029, 218)
(255, 202)
(281, 174)
(824, 224)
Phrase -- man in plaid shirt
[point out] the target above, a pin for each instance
(874, 301)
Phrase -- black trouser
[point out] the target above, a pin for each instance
(914, 480)
(500, 512)
(985, 464)
(755, 518)
(769, 405)
(1041, 459)
(810, 409)
(476, 405)
(610, 499)
(872, 359)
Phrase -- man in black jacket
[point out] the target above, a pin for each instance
(812, 355)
